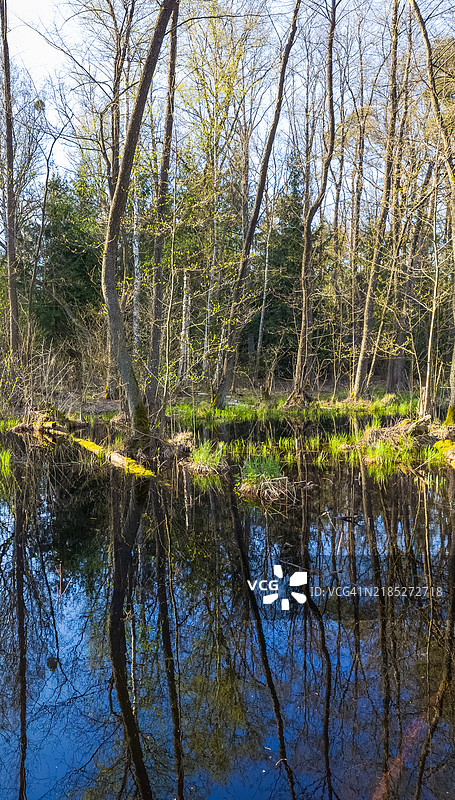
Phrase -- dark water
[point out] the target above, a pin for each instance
(136, 661)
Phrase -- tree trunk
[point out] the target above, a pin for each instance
(356, 200)
(19, 544)
(234, 324)
(136, 408)
(169, 662)
(152, 384)
(10, 190)
(122, 545)
(395, 367)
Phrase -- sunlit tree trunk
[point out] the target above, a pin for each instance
(264, 294)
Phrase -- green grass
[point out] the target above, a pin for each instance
(313, 443)
(9, 422)
(283, 449)
(432, 458)
(108, 415)
(336, 442)
(206, 482)
(5, 459)
(208, 455)
(385, 457)
(119, 443)
(251, 408)
(258, 469)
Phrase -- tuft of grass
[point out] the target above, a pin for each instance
(207, 456)
(337, 442)
(382, 455)
(206, 482)
(313, 443)
(258, 469)
(385, 457)
(433, 458)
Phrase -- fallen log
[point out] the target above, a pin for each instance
(47, 429)
(129, 465)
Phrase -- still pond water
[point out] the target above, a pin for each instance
(138, 662)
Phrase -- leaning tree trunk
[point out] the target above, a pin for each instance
(136, 408)
(234, 325)
(10, 193)
(152, 385)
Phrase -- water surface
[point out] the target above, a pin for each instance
(136, 661)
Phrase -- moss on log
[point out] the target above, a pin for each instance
(116, 459)
(447, 448)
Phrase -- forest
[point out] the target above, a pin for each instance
(227, 401)
(230, 195)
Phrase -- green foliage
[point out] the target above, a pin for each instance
(386, 457)
(71, 265)
(433, 458)
(285, 264)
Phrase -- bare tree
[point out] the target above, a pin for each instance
(450, 170)
(304, 365)
(136, 408)
(234, 325)
(151, 388)
(383, 214)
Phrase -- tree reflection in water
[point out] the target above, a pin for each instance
(158, 673)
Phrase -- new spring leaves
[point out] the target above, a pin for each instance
(296, 579)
